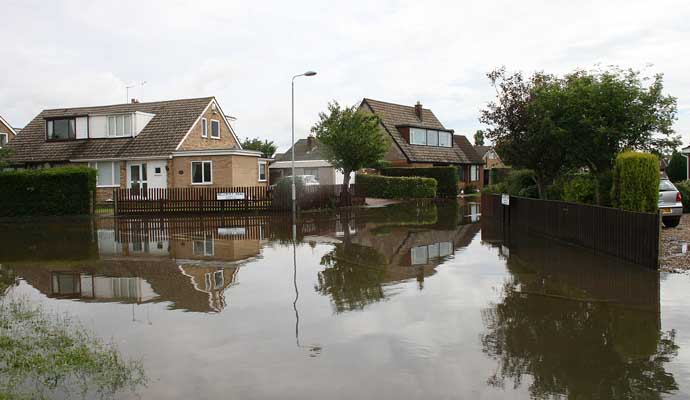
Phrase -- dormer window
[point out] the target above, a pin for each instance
(431, 137)
(61, 129)
(119, 125)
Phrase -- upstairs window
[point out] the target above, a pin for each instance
(430, 137)
(204, 127)
(120, 125)
(62, 129)
(215, 129)
(262, 171)
(3, 139)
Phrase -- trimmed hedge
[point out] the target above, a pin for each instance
(389, 187)
(53, 191)
(446, 177)
(636, 182)
(684, 189)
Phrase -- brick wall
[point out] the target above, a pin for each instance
(195, 141)
(227, 171)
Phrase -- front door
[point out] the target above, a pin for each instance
(138, 177)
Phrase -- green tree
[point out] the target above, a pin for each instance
(521, 129)
(479, 138)
(4, 156)
(267, 148)
(352, 140)
(677, 168)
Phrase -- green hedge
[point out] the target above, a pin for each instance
(517, 182)
(388, 187)
(446, 177)
(684, 189)
(636, 182)
(54, 191)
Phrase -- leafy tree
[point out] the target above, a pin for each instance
(479, 138)
(677, 168)
(594, 115)
(4, 155)
(522, 132)
(352, 139)
(268, 149)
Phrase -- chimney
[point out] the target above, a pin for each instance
(418, 110)
(310, 143)
(135, 101)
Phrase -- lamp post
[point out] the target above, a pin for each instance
(294, 196)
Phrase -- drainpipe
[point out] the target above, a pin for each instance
(687, 166)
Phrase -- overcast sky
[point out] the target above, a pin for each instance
(78, 53)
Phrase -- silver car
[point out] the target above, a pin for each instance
(670, 203)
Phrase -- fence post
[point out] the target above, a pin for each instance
(92, 201)
(115, 201)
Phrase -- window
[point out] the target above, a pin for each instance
(108, 173)
(204, 127)
(203, 246)
(120, 125)
(262, 171)
(218, 279)
(312, 172)
(3, 139)
(215, 129)
(201, 172)
(62, 129)
(474, 173)
(444, 139)
(417, 136)
(419, 255)
(157, 171)
(432, 138)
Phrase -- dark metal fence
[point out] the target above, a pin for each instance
(228, 199)
(627, 235)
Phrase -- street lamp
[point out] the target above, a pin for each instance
(294, 196)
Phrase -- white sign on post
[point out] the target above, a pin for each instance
(505, 199)
(230, 196)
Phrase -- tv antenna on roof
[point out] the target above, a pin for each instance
(127, 92)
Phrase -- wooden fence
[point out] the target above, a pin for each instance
(227, 199)
(627, 235)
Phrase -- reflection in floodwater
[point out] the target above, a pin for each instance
(579, 326)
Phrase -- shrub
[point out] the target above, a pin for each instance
(282, 192)
(388, 187)
(636, 182)
(684, 189)
(446, 177)
(677, 169)
(518, 182)
(54, 191)
(580, 189)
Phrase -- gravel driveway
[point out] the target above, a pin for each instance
(671, 258)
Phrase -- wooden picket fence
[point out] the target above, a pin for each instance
(227, 199)
(630, 236)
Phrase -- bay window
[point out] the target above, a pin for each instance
(120, 125)
(108, 173)
(61, 129)
(202, 172)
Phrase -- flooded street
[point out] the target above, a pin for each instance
(416, 300)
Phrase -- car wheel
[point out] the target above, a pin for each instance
(671, 222)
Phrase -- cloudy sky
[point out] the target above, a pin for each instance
(76, 53)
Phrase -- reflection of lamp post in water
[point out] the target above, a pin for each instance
(314, 350)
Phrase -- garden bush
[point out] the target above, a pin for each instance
(580, 188)
(517, 182)
(53, 191)
(389, 187)
(446, 177)
(636, 182)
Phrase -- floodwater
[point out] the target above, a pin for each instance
(409, 301)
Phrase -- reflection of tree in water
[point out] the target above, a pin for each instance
(8, 279)
(353, 276)
(574, 347)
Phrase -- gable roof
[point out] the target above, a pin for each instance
(8, 126)
(396, 115)
(172, 121)
(482, 150)
(466, 151)
(302, 152)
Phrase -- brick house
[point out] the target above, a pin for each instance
(164, 144)
(309, 160)
(419, 139)
(491, 161)
(7, 133)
